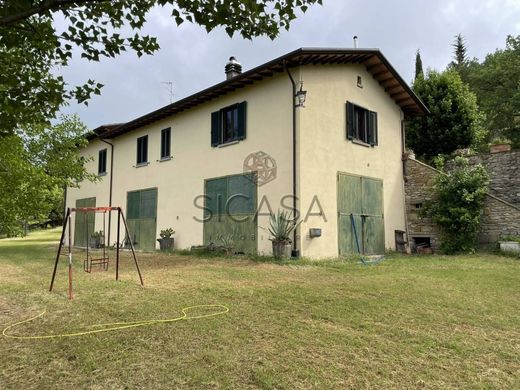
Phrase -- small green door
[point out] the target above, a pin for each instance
(84, 223)
(361, 199)
(142, 218)
(230, 207)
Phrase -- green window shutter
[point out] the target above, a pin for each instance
(372, 128)
(350, 120)
(242, 119)
(215, 128)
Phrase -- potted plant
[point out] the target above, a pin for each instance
(96, 239)
(166, 241)
(281, 226)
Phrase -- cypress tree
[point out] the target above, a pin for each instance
(418, 65)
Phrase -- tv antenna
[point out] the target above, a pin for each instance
(169, 85)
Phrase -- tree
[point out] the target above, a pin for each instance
(418, 66)
(460, 51)
(31, 45)
(460, 61)
(35, 168)
(457, 204)
(495, 82)
(455, 121)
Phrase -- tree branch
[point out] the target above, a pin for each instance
(41, 8)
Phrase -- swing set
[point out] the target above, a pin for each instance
(91, 263)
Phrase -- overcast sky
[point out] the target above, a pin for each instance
(194, 60)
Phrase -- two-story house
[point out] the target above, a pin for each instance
(316, 131)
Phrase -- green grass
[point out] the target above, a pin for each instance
(409, 322)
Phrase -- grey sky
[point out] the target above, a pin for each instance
(194, 60)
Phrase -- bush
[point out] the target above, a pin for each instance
(457, 205)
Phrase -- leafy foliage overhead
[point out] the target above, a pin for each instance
(31, 45)
(455, 121)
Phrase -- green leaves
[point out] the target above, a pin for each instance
(281, 225)
(496, 83)
(459, 195)
(35, 166)
(455, 121)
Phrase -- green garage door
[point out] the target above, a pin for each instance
(230, 204)
(141, 214)
(361, 197)
(84, 223)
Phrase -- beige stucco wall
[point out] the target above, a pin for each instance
(324, 151)
(181, 179)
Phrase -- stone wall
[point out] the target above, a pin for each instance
(418, 182)
(498, 220)
(500, 217)
(504, 173)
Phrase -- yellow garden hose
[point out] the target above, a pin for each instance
(110, 327)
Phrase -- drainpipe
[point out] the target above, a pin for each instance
(404, 161)
(111, 183)
(295, 251)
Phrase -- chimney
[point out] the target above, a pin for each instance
(355, 42)
(233, 68)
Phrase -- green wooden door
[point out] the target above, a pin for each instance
(141, 213)
(230, 204)
(84, 223)
(361, 197)
(373, 226)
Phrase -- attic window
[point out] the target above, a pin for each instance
(360, 82)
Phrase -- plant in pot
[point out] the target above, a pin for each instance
(96, 239)
(166, 241)
(281, 226)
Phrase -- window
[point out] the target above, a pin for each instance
(361, 124)
(228, 124)
(142, 150)
(102, 162)
(166, 137)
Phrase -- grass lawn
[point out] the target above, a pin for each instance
(409, 322)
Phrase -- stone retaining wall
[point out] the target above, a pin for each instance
(500, 217)
(504, 174)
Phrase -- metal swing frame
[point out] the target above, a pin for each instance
(67, 223)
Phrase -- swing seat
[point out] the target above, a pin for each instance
(99, 263)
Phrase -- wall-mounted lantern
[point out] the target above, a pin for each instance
(300, 96)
